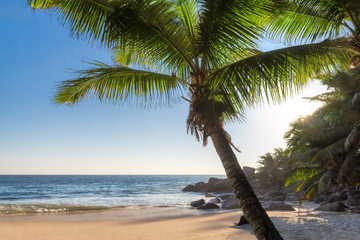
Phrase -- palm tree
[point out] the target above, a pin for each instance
(271, 168)
(314, 20)
(201, 51)
(325, 146)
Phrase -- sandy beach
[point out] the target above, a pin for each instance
(192, 224)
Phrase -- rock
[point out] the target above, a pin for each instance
(289, 190)
(334, 189)
(230, 203)
(352, 201)
(356, 194)
(215, 200)
(201, 187)
(275, 193)
(335, 197)
(355, 209)
(197, 203)
(242, 221)
(209, 195)
(292, 198)
(249, 173)
(224, 196)
(209, 206)
(332, 207)
(222, 186)
(190, 188)
(280, 207)
(213, 185)
(278, 198)
(212, 181)
(319, 199)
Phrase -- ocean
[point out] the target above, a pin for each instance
(61, 193)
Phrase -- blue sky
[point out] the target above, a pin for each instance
(38, 137)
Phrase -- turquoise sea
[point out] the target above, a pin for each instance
(61, 193)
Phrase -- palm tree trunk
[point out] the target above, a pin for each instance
(259, 221)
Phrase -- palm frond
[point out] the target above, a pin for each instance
(145, 33)
(276, 74)
(120, 84)
(307, 21)
(329, 153)
(301, 174)
(229, 27)
(85, 18)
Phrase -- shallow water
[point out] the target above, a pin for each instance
(58, 193)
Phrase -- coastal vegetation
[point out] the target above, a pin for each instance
(205, 53)
(322, 148)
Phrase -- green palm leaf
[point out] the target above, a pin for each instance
(120, 84)
(307, 21)
(329, 153)
(229, 27)
(275, 74)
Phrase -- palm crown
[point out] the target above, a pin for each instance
(182, 46)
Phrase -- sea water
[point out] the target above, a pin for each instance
(54, 193)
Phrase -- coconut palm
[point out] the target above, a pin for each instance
(325, 146)
(271, 169)
(204, 52)
(313, 20)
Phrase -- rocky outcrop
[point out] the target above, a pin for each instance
(230, 203)
(190, 188)
(209, 195)
(337, 196)
(215, 185)
(224, 196)
(249, 173)
(353, 201)
(242, 221)
(197, 203)
(215, 200)
(332, 207)
(209, 205)
(280, 207)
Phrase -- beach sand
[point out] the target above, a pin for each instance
(152, 224)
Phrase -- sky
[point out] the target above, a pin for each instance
(39, 137)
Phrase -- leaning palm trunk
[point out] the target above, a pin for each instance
(253, 211)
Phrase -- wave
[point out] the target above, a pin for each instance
(15, 209)
(6, 209)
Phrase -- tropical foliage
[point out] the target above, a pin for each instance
(313, 20)
(272, 169)
(324, 147)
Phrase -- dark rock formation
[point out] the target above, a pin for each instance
(332, 207)
(224, 196)
(190, 188)
(280, 207)
(242, 221)
(337, 196)
(213, 185)
(353, 201)
(209, 195)
(197, 203)
(230, 203)
(215, 200)
(209, 206)
(278, 198)
(319, 199)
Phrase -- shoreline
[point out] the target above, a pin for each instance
(175, 223)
